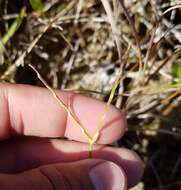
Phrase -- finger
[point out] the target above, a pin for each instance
(32, 111)
(17, 156)
(90, 174)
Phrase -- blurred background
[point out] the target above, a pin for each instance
(84, 45)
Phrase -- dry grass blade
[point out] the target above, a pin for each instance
(111, 96)
(134, 33)
(171, 58)
(171, 96)
(106, 109)
(112, 21)
(171, 8)
(20, 59)
(63, 105)
(150, 45)
(103, 116)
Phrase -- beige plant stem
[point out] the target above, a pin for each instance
(63, 105)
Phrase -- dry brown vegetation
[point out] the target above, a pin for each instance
(82, 45)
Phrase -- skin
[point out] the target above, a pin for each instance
(33, 156)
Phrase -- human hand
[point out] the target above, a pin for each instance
(32, 157)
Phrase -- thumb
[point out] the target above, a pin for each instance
(90, 174)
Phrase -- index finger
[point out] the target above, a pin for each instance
(32, 111)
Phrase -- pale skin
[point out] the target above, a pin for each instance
(44, 161)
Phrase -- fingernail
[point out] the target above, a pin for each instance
(108, 176)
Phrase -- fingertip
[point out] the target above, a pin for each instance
(114, 127)
(90, 111)
(33, 111)
(108, 175)
(132, 165)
